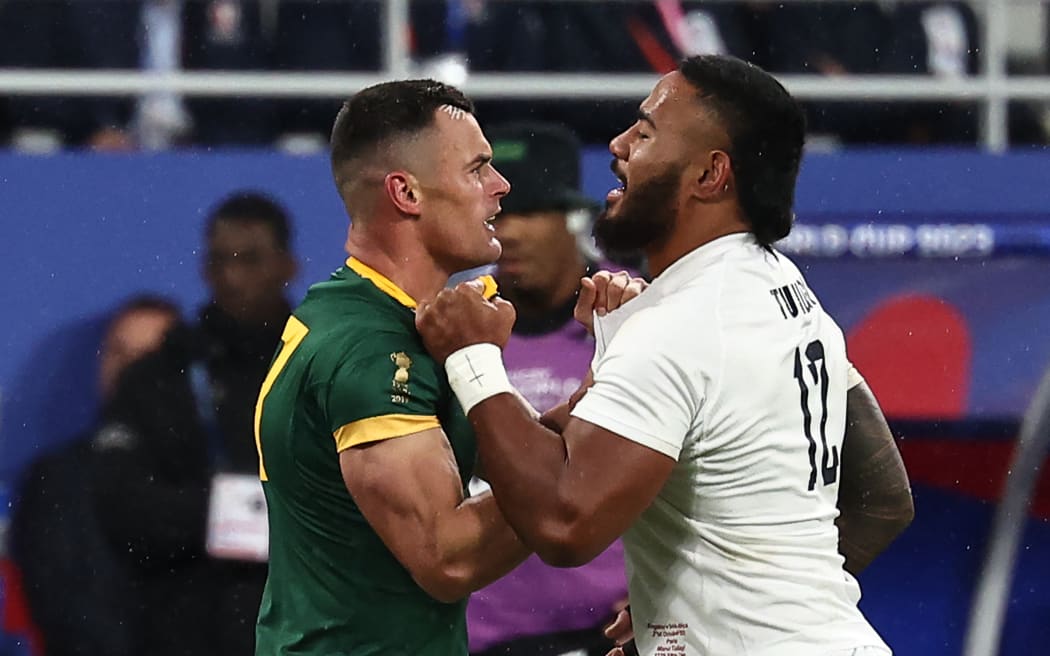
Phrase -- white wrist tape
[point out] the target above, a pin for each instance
(475, 373)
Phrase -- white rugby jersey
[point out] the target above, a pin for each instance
(728, 364)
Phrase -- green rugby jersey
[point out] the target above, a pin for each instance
(351, 369)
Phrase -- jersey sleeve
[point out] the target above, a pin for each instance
(642, 390)
(853, 377)
(385, 393)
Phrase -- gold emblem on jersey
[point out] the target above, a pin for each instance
(400, 382)
(402, 362)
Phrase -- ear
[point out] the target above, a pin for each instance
(402, 189)
(716, 178)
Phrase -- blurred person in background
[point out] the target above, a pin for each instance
(544, 229)
(75, 587)
(183, 428)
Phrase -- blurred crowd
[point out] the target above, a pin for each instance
(934, 38)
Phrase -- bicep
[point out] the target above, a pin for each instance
(628, 429)
(610, 478)
(871, 462)
(403, 487)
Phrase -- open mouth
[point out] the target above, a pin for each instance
(617, 192)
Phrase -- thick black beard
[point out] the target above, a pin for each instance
(644, 219)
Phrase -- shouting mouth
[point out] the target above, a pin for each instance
(616, 193)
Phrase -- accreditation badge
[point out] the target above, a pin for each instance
(237, 526)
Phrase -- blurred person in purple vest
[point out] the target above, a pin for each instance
(545, 231)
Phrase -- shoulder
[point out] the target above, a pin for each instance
(669, 334)
(352, 320)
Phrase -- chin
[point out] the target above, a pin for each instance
(608, 215)
(482, 257)
(495, 250)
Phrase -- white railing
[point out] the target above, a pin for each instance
(992, 87)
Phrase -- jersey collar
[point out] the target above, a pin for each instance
(686, 267)
(388, 287)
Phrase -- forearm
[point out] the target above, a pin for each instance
(557, 418)
(870, 520)
(862, 537)
(525, 462)
(875, 500)
(477, 546)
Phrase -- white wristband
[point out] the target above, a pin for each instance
(475, 373)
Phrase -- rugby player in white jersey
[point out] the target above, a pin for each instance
(725, 436)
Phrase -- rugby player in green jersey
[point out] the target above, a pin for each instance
(364, 450)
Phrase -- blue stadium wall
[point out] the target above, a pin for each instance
(955, 237)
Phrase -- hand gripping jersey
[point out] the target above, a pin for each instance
(728, 364)
(351, 369)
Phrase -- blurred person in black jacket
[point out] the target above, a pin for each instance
(75, 588)
(183, 417)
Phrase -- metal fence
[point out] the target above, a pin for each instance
(992, 88)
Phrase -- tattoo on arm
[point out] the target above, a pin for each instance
(875, 500)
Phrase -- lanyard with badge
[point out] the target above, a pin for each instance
(237, 524)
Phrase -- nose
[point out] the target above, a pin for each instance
(232, 276)
(502, 187)
(618, 146)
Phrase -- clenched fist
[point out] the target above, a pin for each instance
(461, 316)
(604, 292)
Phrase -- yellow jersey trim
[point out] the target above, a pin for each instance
(388, 287)
(384, 284)
(294, 333)
(385, 427)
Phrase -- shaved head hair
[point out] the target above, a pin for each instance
(373, 127)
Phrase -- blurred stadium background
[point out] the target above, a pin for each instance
(924, 213)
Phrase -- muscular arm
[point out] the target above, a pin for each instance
(569, 495)
(557, 418)
(410, 491)
(875, 501)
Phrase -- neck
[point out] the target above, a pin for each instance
(403, 262)
(689, 234)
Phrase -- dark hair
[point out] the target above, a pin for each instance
(386, 110)
(146, 301)
(253, 207)
(767, 130)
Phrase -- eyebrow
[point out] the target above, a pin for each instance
(646, 117)
(479, 160)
